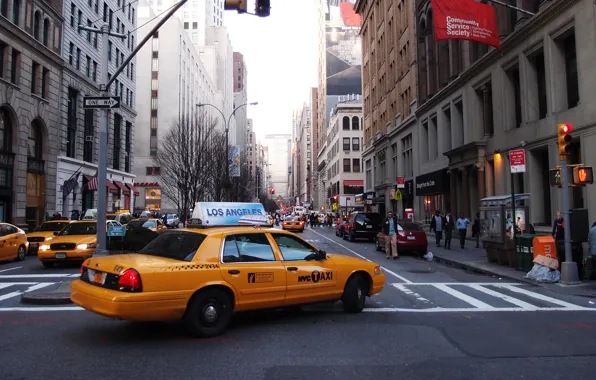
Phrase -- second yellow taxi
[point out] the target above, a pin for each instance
(204, 273)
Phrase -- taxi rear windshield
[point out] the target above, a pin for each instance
(80, 229)
(177, 245)
(50, 227)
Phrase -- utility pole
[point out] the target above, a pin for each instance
(569, 273)
(104, 116)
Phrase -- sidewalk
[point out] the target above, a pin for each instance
(475, 259)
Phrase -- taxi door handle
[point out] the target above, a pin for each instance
(292, 269)
(234, 271)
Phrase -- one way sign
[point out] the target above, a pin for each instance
(99, 102)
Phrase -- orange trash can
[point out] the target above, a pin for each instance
(545, 246)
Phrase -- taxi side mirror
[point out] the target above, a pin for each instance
(56, 233)
(321, 255)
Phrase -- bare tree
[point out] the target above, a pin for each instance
(183, 154)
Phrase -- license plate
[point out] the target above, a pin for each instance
(61, 255)
(411, 237)
(33, 245)
(368, 226)
(99, 278)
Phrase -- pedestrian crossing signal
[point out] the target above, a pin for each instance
(555, 177)
(583, 175)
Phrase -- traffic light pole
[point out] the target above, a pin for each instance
(104, 119)
(569, 273)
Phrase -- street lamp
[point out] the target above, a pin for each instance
(227, 130)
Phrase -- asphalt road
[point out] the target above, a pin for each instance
(431, 322)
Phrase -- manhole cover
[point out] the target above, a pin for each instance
(421, 271)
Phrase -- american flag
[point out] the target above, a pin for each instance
(92, 184)
(70, 184)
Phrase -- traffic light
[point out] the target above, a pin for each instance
(239, 5)
(583, 175)
(262, 8)
(564, 133)
(334, 198)
(272, 191)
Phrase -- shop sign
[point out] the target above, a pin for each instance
(432, 183)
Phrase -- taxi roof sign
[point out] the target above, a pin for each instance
(228, 214)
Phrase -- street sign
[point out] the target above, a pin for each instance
(517, 160)
(101, 102)
(114, 231)
(401, 182)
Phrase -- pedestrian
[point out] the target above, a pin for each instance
(448, 226)
(476, 229)
(592, 239)
(462, 228)
(390, 232)
(436, 226)
(559, 227)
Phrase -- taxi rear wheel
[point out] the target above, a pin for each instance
(21, 253)
(208, 313)
(355, 292)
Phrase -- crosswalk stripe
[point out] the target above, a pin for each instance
(464, 297)
(517, 289)
(35, 286)
(504, 297)
(41, 275)
(469, 309)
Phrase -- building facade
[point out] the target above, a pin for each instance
(30, 134)
(304, 154)
(279, 151)
(389, 85)
(498, 100)
(252, 151)
(240, 131)
(171, 81)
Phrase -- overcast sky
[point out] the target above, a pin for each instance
(281, 58)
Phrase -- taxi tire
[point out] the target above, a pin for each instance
(355, 292)
(21, 253)
(192, 317)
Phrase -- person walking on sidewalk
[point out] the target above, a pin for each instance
(476, 229)
(390, 232)
(436, 226)
(449, 226)
(462, 227)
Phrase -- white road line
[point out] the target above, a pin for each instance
(58, 308)
(9, 269)
(464, 297)
(7, 284)
(467, 310)
(404, 289)
(41, 275)
(541, 297)
(463, 283)
(506, 298)
(41, 285)
(362, 257)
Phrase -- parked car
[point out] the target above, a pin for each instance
(363, 225)
(410, 238)
(339, 227)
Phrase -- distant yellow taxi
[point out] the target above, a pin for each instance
(293, 223)
(45, 232)
(204, 273)
(13, 242)
(75, 242)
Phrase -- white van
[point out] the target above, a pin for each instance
(299, 210)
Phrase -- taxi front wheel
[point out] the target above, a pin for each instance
(354, 296)
(208, 313)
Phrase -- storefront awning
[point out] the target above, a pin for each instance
(146, 184)
(133, 189)
(121, 186)
(111, 187)
(354, 182)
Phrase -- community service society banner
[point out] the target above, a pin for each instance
(234, 161)
(465, 20)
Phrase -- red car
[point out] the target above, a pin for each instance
(339, 230)
(410, 238)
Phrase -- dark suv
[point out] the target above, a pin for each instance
(363, 225)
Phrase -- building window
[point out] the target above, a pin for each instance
(571, 75)
(34, 75)
(94, 71)
(152, 170)
(513, 90)
(117, 141)
(127, 146)
(79, 20)
(88, 67)
(72, 123)
(407, 156)
(36, 25)
(355, 123)
(71, 53)
(347, 166)
(15, 71)
(34, 143)
(356, 165)
(89, 136)
(5, 132)
(45, 81)
(346, 143)
(46, 32)
(110, 51)
(346, 123)
(355, 144)
(16, 11)
(78, 64)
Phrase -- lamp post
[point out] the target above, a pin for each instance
(227, 130)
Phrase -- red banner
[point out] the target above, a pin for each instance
(465, 20)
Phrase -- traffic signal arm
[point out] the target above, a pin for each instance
(239, 5)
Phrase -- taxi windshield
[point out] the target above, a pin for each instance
(142, 223)
(292, 218)
(177, 245)
(79, 229)
(149, 224)
(51, 227)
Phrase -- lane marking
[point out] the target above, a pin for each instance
(403, 288)
(7, 284)
(462, 283)
(31, 288)
(541, 297)
(506, 298)
(6, 270)
(463, 297)
(362, 257)
(41, 275)
(58, 308)
(469, 310)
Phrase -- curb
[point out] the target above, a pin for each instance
(58, 296)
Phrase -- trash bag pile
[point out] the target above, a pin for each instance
(542, 273)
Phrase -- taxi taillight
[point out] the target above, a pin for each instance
(130, 281)
(82, 269)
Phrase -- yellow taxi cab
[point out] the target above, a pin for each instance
(45, 232)
(154, 225)
(13, 242)
(75, 242)
(217, 266)
(293, 223)
(121, 216)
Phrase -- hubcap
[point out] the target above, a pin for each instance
(359, 294)
(210, 313)
(21, 252)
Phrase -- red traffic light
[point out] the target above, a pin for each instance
(566, 128)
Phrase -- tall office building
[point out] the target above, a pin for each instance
(81, 51)
(280, 160)
(238, 134)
